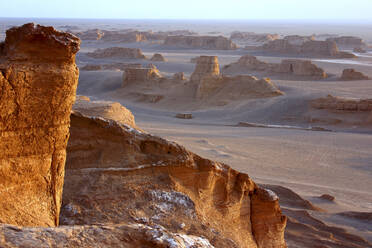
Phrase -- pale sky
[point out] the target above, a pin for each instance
(190, 9)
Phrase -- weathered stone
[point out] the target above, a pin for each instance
(351, 74)
(38, 80)
(158, 57)
(117, 52)
(206, 42)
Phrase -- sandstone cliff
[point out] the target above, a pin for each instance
(127, 176)
(117, 52)
(348, 42)
(38, 80)
(140, 75)
(204, 42)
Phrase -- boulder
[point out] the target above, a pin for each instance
(38, 80)
(158, 57)
(117, 52)
(351, 74)
(203, 42)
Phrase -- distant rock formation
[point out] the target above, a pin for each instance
(38, 80)
(113, 66)
(138, 75)
(158, 57)
(297, 67)
(297, 39)
(179, 76)
(253, 37)
(343, 104)
(208, 80)
(91, 34)
(184, 116)
(310, 48)
(117, 52)
(359, 50)
(128, 176)
(351, 74)
(201, 42)
(348, 42)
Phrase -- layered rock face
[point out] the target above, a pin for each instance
(38, 80)
(306, 48)
(158, 57)
(205, 42)
(351, 74)
(138, 75)
(206, 66)
(297, 39)
(127, 176)
(348, 42)
(254, 37)
(343, 104)
(91, 34)
(295, 67)
(117, 52)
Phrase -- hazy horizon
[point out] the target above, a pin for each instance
(236, 10)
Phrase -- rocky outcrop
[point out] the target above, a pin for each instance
(359, 50)
(351, 74)
(253, 37)
(296, 67)
(206, 66)
(38, 80)
(140, 75)
(313, 48)
(342, 104)
(202, 42)
(158, 57)
(297, 39)
(348, 42)
(106, 109)
(127, 176)
(179, 76)
(125, 37)
(117, 52)
(109, 67)
(208, 80)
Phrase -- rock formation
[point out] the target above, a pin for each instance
(38, 80)
(359, 50)
(106, 109)
(351, 74)
(208, 80)
(295, 67)
(202, 42)
(342, 104)
(253, 37)
(313, 48)
(117, 52)
(158, 57)
(91, 34)
(179, 76)
(348, 42)
(112, 66)
(128, 176)
(138, 75)
(297, 39)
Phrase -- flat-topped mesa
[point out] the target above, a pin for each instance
(117, 52)
(352, 74)
(348, 42)
(38, 80)
(342, 104)
(206, 66)
(297, 67)
(205, 42)
(313, 48)
(139, 75)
